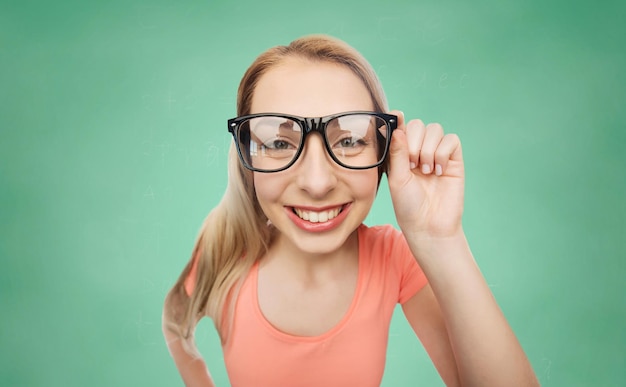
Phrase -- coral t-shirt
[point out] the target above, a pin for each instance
(353, 352)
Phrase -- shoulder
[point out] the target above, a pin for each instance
(384, 237)
(384, 243)
(385, 249)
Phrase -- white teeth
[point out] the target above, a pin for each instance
(317, 217)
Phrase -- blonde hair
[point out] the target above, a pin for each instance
(235, 233)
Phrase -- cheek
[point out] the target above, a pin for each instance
(267, 189)
(364, 184)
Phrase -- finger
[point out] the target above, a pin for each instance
(398, 156)
(415, 132)
(432, 138)
(448, 149)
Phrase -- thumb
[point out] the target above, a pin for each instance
(399, 151)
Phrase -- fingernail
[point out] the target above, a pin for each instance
(438, 170)
(425, 169)
(413, 165)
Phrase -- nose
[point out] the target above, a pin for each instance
(316, 170)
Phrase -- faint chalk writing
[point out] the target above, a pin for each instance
(141, 326)
(443, 81)
(149, 193)
(547, 367)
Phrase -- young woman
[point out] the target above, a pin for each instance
(300, 290)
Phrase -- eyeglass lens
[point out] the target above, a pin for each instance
(271, 143)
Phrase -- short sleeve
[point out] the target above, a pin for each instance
(412, 278)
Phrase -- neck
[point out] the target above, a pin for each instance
(309, 266)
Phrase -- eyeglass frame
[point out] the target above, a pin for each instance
(308, 125)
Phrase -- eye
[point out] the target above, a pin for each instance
(278, 144)
(351, 142)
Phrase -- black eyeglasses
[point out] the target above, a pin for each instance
(272, 142)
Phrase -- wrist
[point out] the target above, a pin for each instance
(425, 245)
(437, 238)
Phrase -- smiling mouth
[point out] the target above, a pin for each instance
(318, 216)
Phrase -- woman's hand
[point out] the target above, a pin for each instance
(426, 179)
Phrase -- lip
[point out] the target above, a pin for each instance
(318, 227)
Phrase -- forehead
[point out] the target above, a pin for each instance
(310, 88)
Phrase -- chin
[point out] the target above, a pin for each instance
(320, 243)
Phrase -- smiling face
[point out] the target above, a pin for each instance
(316, 205)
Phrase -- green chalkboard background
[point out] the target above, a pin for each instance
(113, 144)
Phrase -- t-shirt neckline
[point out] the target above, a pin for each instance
(332, 331)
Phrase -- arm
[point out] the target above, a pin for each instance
(424, 315)
(192, 369)
(457, 318)
(189, 363)
(459, 322)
